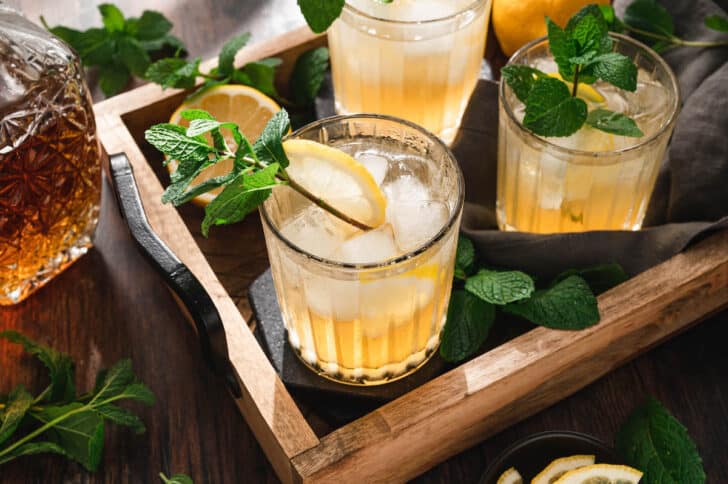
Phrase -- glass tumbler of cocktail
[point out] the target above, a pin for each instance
(414, 59)
(591, 180)
(368, 307)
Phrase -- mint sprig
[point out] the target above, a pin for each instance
(583, 54)
(567, 303)
(652, 23)
(257, 168)
(175, 479)
(655, 442)
(60, 421)
(123, 48)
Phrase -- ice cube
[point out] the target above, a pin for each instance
(415, 223)
(406, 188)
(375, 164)
(316, 232)
(369, 247)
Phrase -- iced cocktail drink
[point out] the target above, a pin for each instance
(414, 59)
(591, 180)
(366, 307)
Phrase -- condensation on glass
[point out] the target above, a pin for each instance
(50, 172)
(591, 180)
(369, 323)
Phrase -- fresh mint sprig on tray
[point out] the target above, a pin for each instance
(320, 14)
(655, 442)
(567, 303)
(583, 53)
(256, 170)
(123, 47)
(59, 420)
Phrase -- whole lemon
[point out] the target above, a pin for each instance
(517, 22)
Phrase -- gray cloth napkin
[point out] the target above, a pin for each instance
(691, 194)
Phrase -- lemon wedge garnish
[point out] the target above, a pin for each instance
(561, 466)
(585, 91)
(511, 476)
(603, 474)
(338, 179)
(249, 108)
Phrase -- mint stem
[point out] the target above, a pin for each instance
(321, 203)
(576, 81)
(675, 40)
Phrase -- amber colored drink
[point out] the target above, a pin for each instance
(414, 59)
(368, 307)
(50, 171)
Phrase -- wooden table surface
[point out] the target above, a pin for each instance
(111, 305)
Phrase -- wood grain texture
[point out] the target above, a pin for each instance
(111, 305)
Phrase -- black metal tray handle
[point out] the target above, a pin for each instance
(178, 277)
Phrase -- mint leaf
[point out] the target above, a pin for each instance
(59, 365)
(260, 75)
(152, 26)
(521, 79)
(500, 287)
(33, 448)
(716, 22)
(320, 14)
(171, 140)
(174, 72)
(80, 433)
(650, 16)
(133, 55)
(616, 69)
(176, 479)
(590, 31)
(600, 278)
(615, 123)
(551, 111)
(112, 17)
(568, 305)
(240, 197)
(464, 257)
(121, 416)
(227, 54)
(308, 75)
(17, 405)
(113, 79)
(613, 22)
(268, 147)
(656, 443)
(469, 320)
(563, 48)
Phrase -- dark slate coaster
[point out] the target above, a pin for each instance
(271, 333)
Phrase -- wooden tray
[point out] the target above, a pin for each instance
(403, 438)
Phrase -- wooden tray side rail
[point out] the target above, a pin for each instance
(406, 437)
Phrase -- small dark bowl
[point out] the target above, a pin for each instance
(532, 454)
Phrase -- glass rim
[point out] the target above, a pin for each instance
(441, 234)
(674, 108)
(471, 6)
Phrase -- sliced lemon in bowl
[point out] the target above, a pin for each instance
(559, 467)
(249, 108)
(335, 177)
(602, 474)
(511, 476)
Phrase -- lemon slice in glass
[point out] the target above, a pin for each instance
(585, 91)
(603, 474)
(338, 179)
